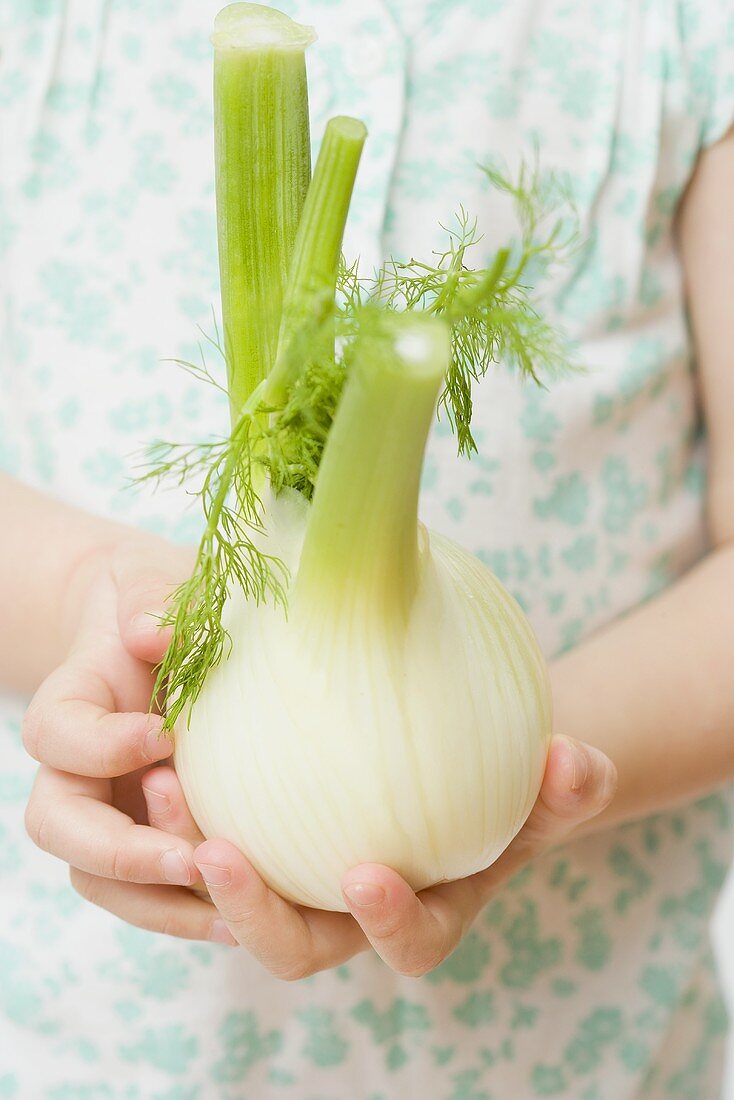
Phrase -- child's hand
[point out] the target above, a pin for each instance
(412, 933)
(88, 726)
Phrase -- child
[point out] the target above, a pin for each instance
(586, 975)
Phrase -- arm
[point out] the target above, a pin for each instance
(50, 555)
(44, 547)
(654, 690)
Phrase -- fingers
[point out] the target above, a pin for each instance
(579, 782)
(155, 908)
(144, 589)
(291, 942)
(66, 818)
(77, 735)
(412, 933)
(169, 812)
(73, 722)
(167, 808)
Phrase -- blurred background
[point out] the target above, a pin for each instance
(724, 938)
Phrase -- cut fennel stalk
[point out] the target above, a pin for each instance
(263, 166)
(344, 686)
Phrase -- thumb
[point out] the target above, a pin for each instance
(579, 783)
(147, 575)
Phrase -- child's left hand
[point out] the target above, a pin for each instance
(411, 932)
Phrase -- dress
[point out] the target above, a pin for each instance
(589, 977)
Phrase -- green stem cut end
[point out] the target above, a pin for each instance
(253, 26)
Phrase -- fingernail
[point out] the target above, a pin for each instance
(157, 803)
(611, 781)
(175, 868)
(145, 621)
(580, 768)
(362, 894)
(156, 745)
(215, 876)
(219, 933)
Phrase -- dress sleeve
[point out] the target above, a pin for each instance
(707, 32)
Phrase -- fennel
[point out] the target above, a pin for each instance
(392, 634)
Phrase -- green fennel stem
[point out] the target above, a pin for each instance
(263, 165)
(361, 544)
(309, 296)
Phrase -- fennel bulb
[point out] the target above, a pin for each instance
(400, 713)
(342, 684)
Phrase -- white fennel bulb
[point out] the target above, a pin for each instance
(343, 685)
(400, 712)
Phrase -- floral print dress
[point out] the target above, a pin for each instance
(589, 977)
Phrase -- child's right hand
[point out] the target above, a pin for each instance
(88, 725)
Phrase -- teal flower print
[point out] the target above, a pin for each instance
(595, 943)
(661, 984)
(548, 1081)
(169, 1048)
(8, 1086)
(74, 302)
(530, 953)
(151, 171)
(466, 964)
(155, 969)
(637, 879)
(244, 1045)
(469, 1085)
(400, 1017)
(625, 497)
(477, 1009)
(324, 1045)
(581, 554)
(567, 502)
